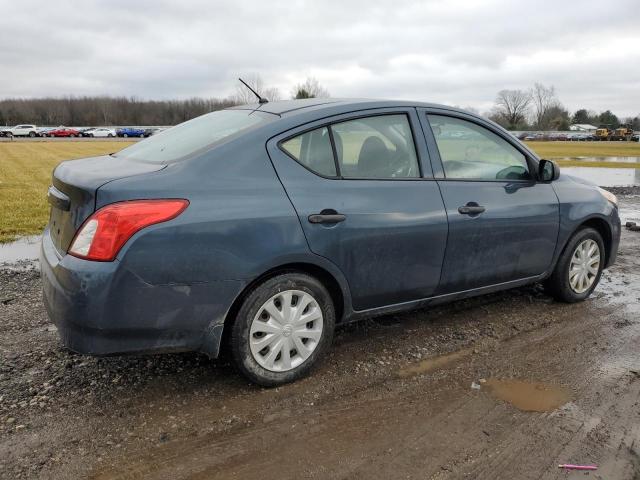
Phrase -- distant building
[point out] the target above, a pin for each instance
(582, 127)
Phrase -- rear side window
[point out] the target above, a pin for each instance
(471, 152)
(195, 135)
(313, 150)
(376, 147)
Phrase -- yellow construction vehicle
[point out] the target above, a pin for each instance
(603, 133)
(623, 133)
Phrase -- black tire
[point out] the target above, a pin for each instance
(558, 285)
(32, 134)
(125, 135)
(239, 337)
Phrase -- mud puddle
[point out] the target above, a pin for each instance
(433, 363)
(528, 396)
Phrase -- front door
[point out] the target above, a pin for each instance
(503, 223)
(367, 203)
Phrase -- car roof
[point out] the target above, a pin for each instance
(286, 108)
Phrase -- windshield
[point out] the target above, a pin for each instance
(195, 135)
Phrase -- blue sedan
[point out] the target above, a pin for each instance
(263, 226)
(130, 132)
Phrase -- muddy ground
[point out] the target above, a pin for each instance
(503, 386)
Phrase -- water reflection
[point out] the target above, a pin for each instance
(606, 177)
(26, 248)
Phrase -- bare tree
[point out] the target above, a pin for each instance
(543, 98)
(311, 88)
(512, 106)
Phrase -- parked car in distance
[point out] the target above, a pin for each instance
(533, 136)
(130, 132)
(86, 132)
(578, 137)
(62, 132)
(100, 132)
(151, 131)
(263, 226)
(42, 131)
(24, 130)
(635, 138)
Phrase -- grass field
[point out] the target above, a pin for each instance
(25, 173)
(553, 150)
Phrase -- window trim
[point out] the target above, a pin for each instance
(328, 124)
(434, 151)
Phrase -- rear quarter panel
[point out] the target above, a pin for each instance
(239, 222)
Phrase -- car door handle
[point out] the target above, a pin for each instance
(471, 209)
(327, 218)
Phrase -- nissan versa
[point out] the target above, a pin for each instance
(261, 227)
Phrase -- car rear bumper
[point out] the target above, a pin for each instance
(101, 308)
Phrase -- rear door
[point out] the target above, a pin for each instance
(503, 223)
(366, 199)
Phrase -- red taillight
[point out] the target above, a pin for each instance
(105, 232)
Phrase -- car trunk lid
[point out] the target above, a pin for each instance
(72, 194)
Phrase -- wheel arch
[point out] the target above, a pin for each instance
(327, 279)
(601, 226)
(334, 286)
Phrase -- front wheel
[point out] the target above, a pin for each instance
(579, 267)
(282, 329)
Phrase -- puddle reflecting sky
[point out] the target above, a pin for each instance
(606, 177)
(26, 248)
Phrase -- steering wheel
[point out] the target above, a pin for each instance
(402, 166)
(514, 172)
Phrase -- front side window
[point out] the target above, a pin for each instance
(313, 150)
(195, 135)
(376, 147)
(471, 152)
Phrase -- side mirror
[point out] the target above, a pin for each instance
(548, 171)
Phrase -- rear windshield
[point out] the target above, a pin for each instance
(195, 135)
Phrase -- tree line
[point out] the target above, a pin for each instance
(104, 110)
(540, 109)
(537, 108)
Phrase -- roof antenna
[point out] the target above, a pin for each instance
(261, 100)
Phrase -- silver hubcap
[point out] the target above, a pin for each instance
(585, 263)
(285, 331)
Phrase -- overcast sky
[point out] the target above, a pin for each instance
(453, 52)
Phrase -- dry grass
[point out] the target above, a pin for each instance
(25, 174)
(585, 149)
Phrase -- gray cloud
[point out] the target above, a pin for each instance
(460, 53)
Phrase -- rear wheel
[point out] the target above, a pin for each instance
(282, 329)
(579, 267)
